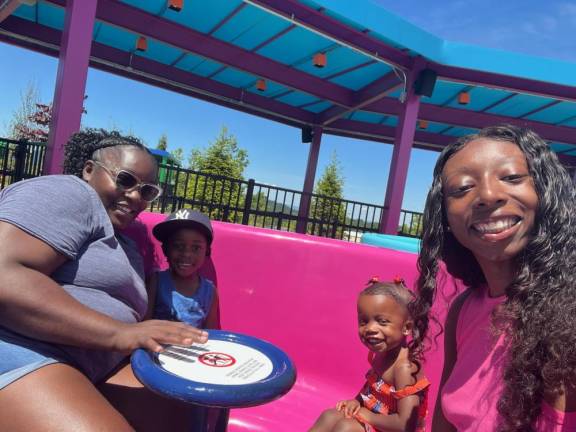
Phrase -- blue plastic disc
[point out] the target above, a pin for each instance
(231, 370)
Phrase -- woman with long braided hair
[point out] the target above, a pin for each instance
(501, 217)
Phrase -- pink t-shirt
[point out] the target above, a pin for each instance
(472, 391)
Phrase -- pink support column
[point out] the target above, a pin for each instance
(401, 157)
(7, 8)
(70, 80)
(311, 166)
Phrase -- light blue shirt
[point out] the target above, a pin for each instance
(173, 306)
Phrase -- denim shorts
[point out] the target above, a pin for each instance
(20, 355)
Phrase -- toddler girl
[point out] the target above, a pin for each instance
(394, 397)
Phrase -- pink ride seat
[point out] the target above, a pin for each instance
(299, 293)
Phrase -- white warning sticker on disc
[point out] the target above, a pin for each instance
(217, 362)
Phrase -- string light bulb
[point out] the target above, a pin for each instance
(320, 60)
(175, 5)
(464, 98)
(261, 85)
(141, 44)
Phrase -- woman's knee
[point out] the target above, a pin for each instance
(58, 397)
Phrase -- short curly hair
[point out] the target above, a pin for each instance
(82, 145)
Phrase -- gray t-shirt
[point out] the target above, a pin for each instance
(104, 272)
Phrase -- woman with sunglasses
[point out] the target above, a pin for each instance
(72, 295)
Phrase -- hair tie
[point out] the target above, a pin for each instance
(399, 280)
(373, 280)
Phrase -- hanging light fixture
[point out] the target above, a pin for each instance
(319, 60)
(464, 98)
(261, 85)
(176, 5)
(422, 124)
(141, 44)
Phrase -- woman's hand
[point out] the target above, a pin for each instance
(349, 407)
(152, 334)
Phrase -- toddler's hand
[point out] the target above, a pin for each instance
(348, 407)
(151, 334)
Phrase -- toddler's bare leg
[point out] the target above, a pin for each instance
(327, 421)
(348, 425)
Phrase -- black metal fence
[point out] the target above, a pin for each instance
(234, 200)
(20, 160)
(262, 205)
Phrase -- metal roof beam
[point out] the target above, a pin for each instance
(227, 18)
(143, 23)
(367, 95)
(506, 82)
(334, 75)
(298, 12)
(7, 7)
(567, 160)
(312, 19)
(383, 133)
(47, 40)
(540, 108)
(422, 140)
(354, 135)
(142, 69)
(475, 120)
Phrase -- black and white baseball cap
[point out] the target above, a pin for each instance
(184, 218)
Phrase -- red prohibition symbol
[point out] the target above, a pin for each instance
(216, 359)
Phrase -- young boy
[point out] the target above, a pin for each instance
(180, 293)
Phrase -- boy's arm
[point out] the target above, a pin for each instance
(151, 287)
(213, 318)
(407, 417)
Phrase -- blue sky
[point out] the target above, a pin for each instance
(535, 27)
(276, 154)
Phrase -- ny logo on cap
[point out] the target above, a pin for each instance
(182, 214)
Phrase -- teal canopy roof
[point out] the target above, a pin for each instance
(258, 56)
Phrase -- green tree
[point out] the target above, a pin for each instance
(30, 122)
(175, 155)
(260, 204)
(31, 119)
(162, 142)
(414, 227)
(178, 155)
(327, 208)
(222, 158)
